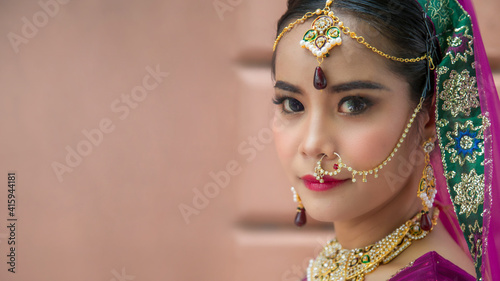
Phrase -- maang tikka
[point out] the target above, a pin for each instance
(325, 34)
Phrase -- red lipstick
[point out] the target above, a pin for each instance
(313, 184)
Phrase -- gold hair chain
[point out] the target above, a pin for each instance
(326, 11)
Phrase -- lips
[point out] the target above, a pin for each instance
(329, 182)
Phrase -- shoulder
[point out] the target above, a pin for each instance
(432, 266)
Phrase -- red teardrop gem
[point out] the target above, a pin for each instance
(335, 166)
(319, 79)
(425, 222)
(300, 218)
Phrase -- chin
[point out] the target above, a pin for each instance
(327, 213)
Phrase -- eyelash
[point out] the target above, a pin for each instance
(367, 104)
(280, 100)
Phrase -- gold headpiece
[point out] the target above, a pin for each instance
(325, 34)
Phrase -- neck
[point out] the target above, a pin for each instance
(374, 226)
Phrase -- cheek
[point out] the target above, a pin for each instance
(367, 145)
(286, 143)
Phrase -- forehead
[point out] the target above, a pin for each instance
(348, 62)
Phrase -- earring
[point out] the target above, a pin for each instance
(427, 187)
(300, 218)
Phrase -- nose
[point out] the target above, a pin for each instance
(319, 137)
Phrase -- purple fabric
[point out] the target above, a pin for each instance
(431, 266)
(490, 107)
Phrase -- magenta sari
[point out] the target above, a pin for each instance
(432, 266)
(487, 245)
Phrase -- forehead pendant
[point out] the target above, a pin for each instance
(319, 40)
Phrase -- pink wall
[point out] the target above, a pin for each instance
(112, 212)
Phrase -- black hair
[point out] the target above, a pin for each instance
(402, 22)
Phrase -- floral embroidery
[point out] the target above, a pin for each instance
(460, 93)
(460, 127)
(469, 193)
(442, 122)
(466, 143)
(486, 120)
(450, 175)
(476, 240)
(442, 70)
(460, 45)
(441, 13)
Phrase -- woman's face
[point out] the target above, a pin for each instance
(361, 116)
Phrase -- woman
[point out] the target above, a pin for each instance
(384, 125)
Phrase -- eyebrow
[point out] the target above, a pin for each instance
(344, 87)
(285, 86)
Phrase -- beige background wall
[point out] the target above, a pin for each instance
(142, 106)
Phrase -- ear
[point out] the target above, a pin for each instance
(429, 125)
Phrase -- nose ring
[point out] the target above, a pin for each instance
(319, 172)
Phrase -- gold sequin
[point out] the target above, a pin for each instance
(442, 70)
(441, 13)
(470, 193)
(460, 93)
(442, 123)
(456, 50)
(476, 240)
(450, 175)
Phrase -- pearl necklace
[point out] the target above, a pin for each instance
(339, 264)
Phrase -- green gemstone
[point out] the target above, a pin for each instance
(365, 259)
(333, 32)
(310, 35)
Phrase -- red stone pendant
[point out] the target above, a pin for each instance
(300, 218)
(319, 79)
(425, 222)
(335, 166)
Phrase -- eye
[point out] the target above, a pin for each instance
(354, 105)
(290, 105)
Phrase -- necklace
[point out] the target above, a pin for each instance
(339, 264)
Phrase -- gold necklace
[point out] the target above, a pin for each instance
(339, 264)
